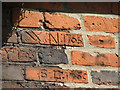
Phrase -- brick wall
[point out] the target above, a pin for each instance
(60, 45)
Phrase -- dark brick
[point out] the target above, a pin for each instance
(52, 56)
(106, 77)
(10, 85)
(12, 73)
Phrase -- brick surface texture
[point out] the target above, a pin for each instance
(102, 41)
(95, 23)
(25, 18)
(56, 74)
(59, 21)
(60, 45)
(83, 58)
(52, 56)
(12, 73)
(18, 54)
(54, 38)
(100, 77)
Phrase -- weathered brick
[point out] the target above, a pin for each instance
(90, 7)
(18, 54)
(82, 58)
(60, 21)
(95, 23)
(13, 38)
(106, 77)
(102, 41)
(52, 56)
(12, 72)
(52, 37)
(25, 18)
(56, 74)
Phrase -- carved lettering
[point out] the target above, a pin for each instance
(53, 37)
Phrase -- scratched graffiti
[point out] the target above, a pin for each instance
(51, 37)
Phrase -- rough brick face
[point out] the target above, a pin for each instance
(18, 54)
(25, 18)
(102, 41)
(60, 21)
(106, 77)
(56, 74)
(52, 56)
(53, 38)
(12, 73)
(82, 58)
(95, 23)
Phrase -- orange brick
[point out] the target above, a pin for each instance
(56, 74)
(102, 41)
(76, 40)
(62, 38)
(52, 38)
(95, 23)
(83, 58)
(25, 18)
(60, 21)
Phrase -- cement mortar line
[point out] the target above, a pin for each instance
(77, 15)
(82, 67)
(77, 85)
(67, 66)
(91, 49)
(93, 33)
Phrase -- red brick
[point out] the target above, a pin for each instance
(56, 74)
(83, 58)
(62, 38)
(90, 7)
(25, 18)
(18, 54)
(61, 21)
(95, 23)
(52, 37)
(13, 38)
(12, 73)
(102, 41)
